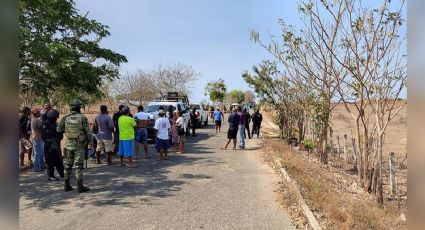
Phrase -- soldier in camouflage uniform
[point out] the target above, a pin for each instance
(76, 128)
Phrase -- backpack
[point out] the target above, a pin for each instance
(74, 126)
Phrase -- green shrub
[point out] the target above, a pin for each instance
(308, 144)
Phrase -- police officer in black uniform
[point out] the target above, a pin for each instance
(193, 120)
(257, 118)
(52, 150)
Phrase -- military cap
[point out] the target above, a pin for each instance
(75, 102)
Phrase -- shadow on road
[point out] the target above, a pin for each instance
(116, 185)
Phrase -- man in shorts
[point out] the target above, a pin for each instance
(142, 119)
(234, 120)
(162, 127)
(181, 131)
(105, 128)
(218, 117)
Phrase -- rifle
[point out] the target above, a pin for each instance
(86, 152)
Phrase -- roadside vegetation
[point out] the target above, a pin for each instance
(332, 194)
(346, 52)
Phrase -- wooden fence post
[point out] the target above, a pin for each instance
(331, 139)
(353, 141)
(392, 174)
(345, 148)
(338, 149)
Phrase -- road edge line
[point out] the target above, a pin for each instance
(306, 209)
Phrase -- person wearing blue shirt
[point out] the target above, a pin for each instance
(218, 117)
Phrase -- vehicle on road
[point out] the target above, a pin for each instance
(178, 103)
(201, 114)
(234, 106)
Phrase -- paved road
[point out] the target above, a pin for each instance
(206, 188)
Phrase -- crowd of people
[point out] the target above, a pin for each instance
(239, 122)
(40, 136)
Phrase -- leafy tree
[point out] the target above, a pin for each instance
(348, 52)
(236, 96)
(59, 53)
(216, 90)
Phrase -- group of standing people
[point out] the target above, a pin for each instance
(40, 137)
(239, 121)
(132, 131)
(46, 137)
(170, 131)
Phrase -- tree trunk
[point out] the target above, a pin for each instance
(345, 148)
(331, 139)
(338, 149)
(324, 144)
(392, 174)
(375, 169)
(355, 154)
(379, 190)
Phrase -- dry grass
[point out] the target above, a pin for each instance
(396, 136)
(328, 193)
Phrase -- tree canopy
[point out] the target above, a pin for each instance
(236, 96)
(216, 90)
(143, 86)
(59, 53)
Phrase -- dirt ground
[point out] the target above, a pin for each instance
(332, 191)
(396, 135)
(335, 197)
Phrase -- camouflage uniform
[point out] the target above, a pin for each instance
(74, 150)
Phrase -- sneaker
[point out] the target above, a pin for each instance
(53, 178)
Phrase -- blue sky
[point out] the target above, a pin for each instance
(210, 35)
(213, 36)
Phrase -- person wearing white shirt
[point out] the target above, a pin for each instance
(181, 131)
(162, 127)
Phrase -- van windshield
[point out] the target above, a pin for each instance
(154, 108)
(195, 106)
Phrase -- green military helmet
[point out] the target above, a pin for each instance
(75, 103)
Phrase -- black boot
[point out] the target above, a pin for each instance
(81, 187)
(68, 186)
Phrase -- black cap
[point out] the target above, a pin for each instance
(121, 107)
(125, 110)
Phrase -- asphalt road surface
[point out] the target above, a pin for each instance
(205, 188)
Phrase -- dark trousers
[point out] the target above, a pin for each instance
(247, 130)
(256, 129)
(53, 158)
(194, 123)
